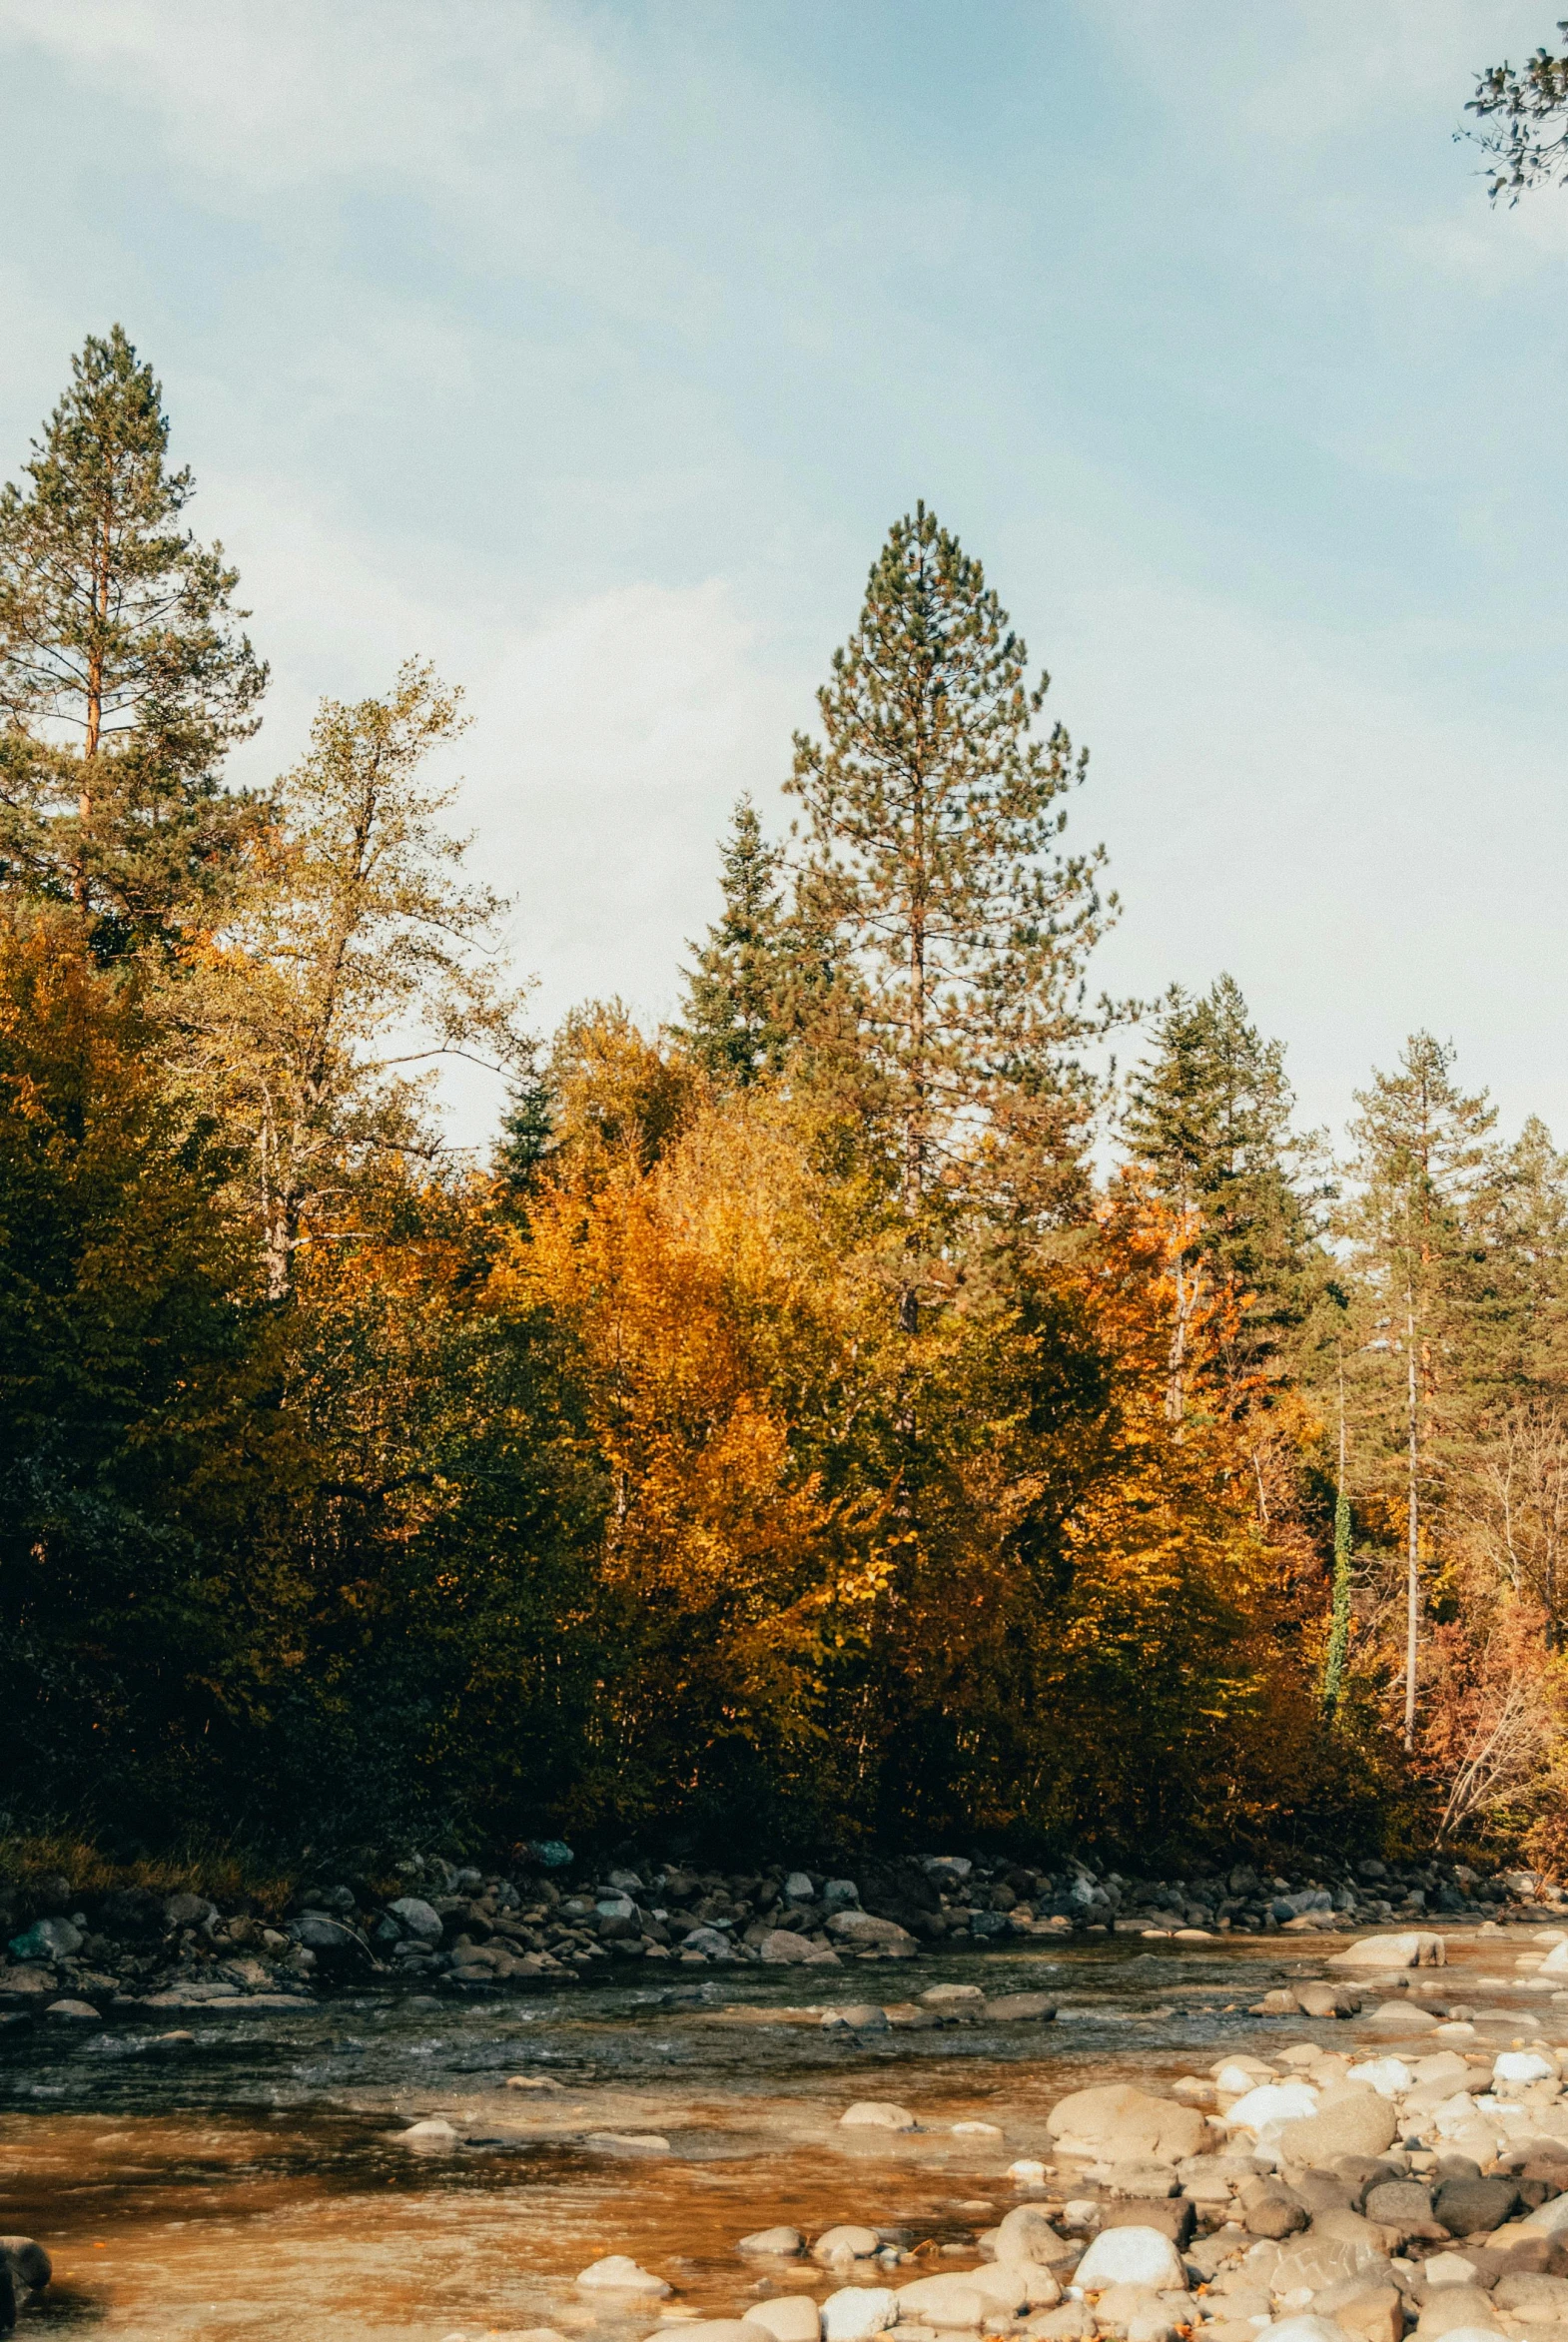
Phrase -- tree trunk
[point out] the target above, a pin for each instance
(1412, 1549)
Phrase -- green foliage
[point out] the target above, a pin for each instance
(1524, 111)
(123, 675)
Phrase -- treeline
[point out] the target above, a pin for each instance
(788, 1429)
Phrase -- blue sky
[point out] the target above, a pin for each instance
(591, 349)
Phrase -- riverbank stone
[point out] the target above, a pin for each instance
(856, 2311)
(1132, 2256)
(1118, 2123)
(618, 2273)
(785, 2241)
(793, 2317)
(1414, 1947)
(877, 2114)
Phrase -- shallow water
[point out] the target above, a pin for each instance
(247, 2181)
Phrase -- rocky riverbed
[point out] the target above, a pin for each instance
(1133, 2125)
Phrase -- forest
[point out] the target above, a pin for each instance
(913, 1399)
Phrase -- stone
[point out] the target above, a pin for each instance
(416, 1920)
(1013, 2287)
(861, 2016)
(627, 2142)
(188, 1911)
(862, 1929)
(28, 2262)
(708, 1943)
(49, 1940)
(1174, 2216)
(942, 2301)
(1026, 2236)
(776, 2240)
(954, 1997)
(1327, 2000)
(618, 2273)
(1556, 1962)
(342, 1949)
(1403, 2016)
(1405, 2206)
(1319, 2259)
(1391, 2078)
(75, 2011)
(1132, 2256)
(1072, 2322)
(1119, 2122)
(720, 2330)
(434, 2131)
(1467, 2206)
(1453, 2307)
(1414, 1949)
(1357, 2123)
(840, 1895)
(1450, 2268)
(1532, 2298)
(1373, 2313)
(1143, 2179)
(782, 1947)
(877, 2114)
(1277, 2213)
(798, 1888)
(793, 2317)
(1548, 2219)
(1523, 2066)
(1265, 2108)
(1304, 2329)
(856, 2311)
(1022, 2008)
(976, 2130)
(846, 2242)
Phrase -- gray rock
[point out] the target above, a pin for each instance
(865, 1933)
(1357, 2123)
(798, 1888)
(75, 2011)
(840, 1895)
(188, 1911)
(49, 1940)
(340, 1949)
(1466, 2206)
(861, 2016)
(710, 1942)
(416, 1917)
(28, 2262)
(1414, 1949)
(782, 1947)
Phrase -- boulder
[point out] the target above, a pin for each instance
(856, 2311)
(1305, 2329)
(782, 1947)
(1320, 2258)
(845, 2243)
(1413, 1949)
(942, 2301)
(1403, 2016)
(618, 2273)
(721, 2330)
(416, 1920)
(1358, 2122)
(954, 1998)
(1467, 2206)
(1327, 2000)
(787, 2241)
(877, 2114)
(1022, 2008)
(339, 1948)
(1451, 2308)
(188, 1911)
(74, 2011)
(1024, 2236)
(1273, 2102)
(861, 2016)
(49, 1940)
(1533, 2298)
(1120, 2123)
(28, 2262)
(864, 1931)
(793, 2317)
(1405, 2206)
(1132, 2256)
(1372, 2313)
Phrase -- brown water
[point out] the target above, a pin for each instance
(246, 2181)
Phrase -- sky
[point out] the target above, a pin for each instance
(591, 351)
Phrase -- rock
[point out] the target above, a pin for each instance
(798, 1888)
(858, 2310)
(782, 1947)
(1143, 2179)
(617, 2273)
(1450, 2268)
(28, 2262)
(954, 1997)
(434, 2131)
(1026, 2237)
(1022, 2008)
(76, 2011)
(1415, 1949)
(1451, 2307)
(1320, 2258)
(1117, 2123)
(1275, 2213)
(340, 1949)
(877, 2114)
(776, 2240)
(1466, 2206)
(793, 2317)
(1132, 2256)
(1403, 2016)
(861, 2016)
(863, 1931)
(1548, 2219)
(1357, 2123)
(941, 2301)
(1523, 2066)
(711, 1943)
(49, 1940)
(188, 1911)
(1404, 2205)
(416, 1917)
(1391, 2078)
(721, 2330)
(1304, 2329)
(627, 2142)
(1278, 2004)
(1171, 2215)
(1327, 2000)
(1373, 2313)
(1072, 2322)
(845, 2242)
(947, 1869)
(976, 2130)
(1015, 2286)
(1533, 2297)
(1273, 2102)
(840, 1895)
(1027, 2173)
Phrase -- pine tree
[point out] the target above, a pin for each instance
(1419, 1160)
(124, 675)
(932, 821)
(737, 996)
(1209, 1117)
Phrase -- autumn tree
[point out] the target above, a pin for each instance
(932, 817)
(357, 953)
(125, 674)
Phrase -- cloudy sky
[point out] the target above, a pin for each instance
(591, 349)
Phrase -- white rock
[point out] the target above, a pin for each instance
(942, 2301)
(1448, 2268)
(1556, 1962)
(858, 2310)
(1026, 2172)
(1415, 1947)
(1132, 2256)
(1271, 2102)
(877, 2114)
(845, 2242)
(798, 1888)
(434, 2131)
(793, 2317)
(1303, 2330)
(1524, 2065)
(952, 1996)
(720, 2330)
(976, 2130)
(1026, 2236)
(1391, 2078)
(1240, 2075)
(617, 2273)
(780, 2240)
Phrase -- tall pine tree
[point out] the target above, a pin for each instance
(737, 1019)
(124, 672)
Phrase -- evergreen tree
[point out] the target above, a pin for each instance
(1209, 1116)
(932, 821)
(1419, 1160)
(124, 675)
(737, 996)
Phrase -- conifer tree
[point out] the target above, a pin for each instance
(1419, 1160)
(124, 672)
(737, 1005)
(1209, 1116)
(931, 825)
